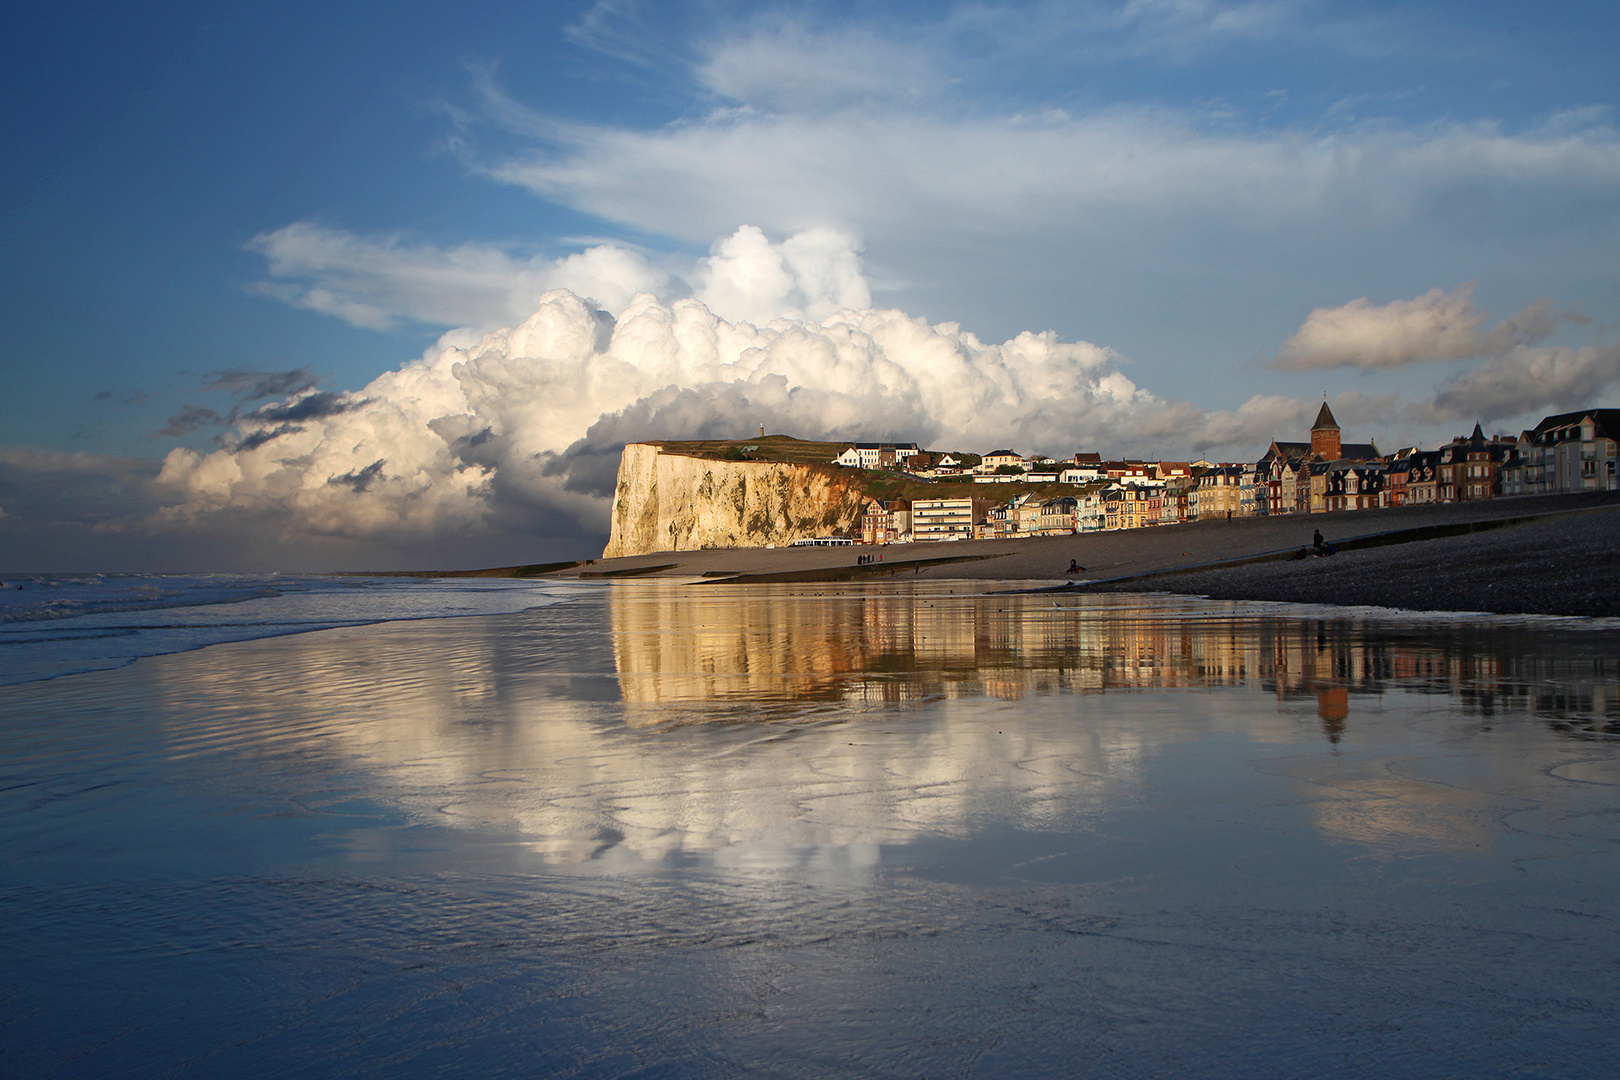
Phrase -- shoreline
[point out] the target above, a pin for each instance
(1561, 558)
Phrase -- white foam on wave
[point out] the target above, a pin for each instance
(68, 624)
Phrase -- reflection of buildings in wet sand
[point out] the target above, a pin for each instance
(901, 644)
(898, 646)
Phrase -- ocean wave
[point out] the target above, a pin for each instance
(69, 624)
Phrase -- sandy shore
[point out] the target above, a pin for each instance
(1569, 564)
(1560, 566)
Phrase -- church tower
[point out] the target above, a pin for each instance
(1325, 435)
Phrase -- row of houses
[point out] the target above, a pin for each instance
(1565, 453)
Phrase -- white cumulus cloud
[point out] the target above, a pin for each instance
(520, 428)
(1439, 325)
(378, 282)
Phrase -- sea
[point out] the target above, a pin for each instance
(397, 827)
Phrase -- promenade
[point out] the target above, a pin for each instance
(1565, 564)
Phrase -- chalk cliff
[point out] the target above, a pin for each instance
(671, 502)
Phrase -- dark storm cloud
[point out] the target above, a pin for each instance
(187, 420)
(248, 386)
(310, 407)
(360, 480)
(259, 438)
(48, 489)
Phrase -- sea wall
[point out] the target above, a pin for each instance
(669, 502)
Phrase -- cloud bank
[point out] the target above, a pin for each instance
(378, 283)
(1519, 375)
(381, 282)
(1438, 325)
(525, 425)
(1524, 380)
(1048, 176)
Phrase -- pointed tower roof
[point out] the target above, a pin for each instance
(1324, 419)
(1478, 435)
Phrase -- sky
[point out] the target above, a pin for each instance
(314, 286)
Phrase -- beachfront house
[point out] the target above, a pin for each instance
(1132, 506)
(1173, 504)
(1470, 466)
(885, 522)
(1354, 486)
(1397, 473)
(1088, 514)
(947, 519)
(1251, 497)
(1057, 516)
(1003, 521)
(1567, 452)
(1216, 493)
(1423, 478)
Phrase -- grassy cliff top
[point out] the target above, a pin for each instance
(774, 448)
(875, 483)
(770, 448)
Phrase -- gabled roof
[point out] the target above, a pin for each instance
(1607, 421)
(1287, 450)
(1324, 419)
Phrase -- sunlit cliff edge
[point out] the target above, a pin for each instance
(668, 501)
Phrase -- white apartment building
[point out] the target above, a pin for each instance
(947, 519)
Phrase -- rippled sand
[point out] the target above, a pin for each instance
(684, 831)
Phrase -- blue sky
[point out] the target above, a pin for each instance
(200, 190)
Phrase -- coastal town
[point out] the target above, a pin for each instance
(1564, 453)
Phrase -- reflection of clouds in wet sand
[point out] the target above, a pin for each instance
(467, 730)
(1396, 816)
(760, 728)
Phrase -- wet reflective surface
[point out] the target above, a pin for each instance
(710, 831)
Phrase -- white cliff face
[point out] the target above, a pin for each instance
(667, 502)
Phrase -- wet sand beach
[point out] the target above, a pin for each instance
(899, 829)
